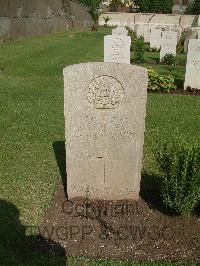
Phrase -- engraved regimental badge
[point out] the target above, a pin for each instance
(105, 92)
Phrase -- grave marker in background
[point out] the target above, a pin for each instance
(178, 30)
(155, 38)
(192, 76)
(147, 32)
(144, 31)
(120, 31)
(117, 49)
(140, 31)
(192, 33)
(168, 43)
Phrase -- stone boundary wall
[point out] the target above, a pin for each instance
(80, 15)
(21, 18)
(124, 19)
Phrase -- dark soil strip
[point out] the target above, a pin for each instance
(125, 230)
(178, 92)
(153, 62)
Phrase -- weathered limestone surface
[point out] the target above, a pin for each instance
(155, 38)
(105, 106)
(147, 32)
(178, 30)
(140, 30)
(192, 76)
(20, 18)
(144, 30)
(168, 43)
(120, 31)
(192, 33)
(117, 49)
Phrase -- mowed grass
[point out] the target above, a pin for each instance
(32, 120)
(90, 262)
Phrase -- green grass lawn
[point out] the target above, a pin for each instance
(31, 112)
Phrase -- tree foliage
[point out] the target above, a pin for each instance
(154, 6)
(114, 4)
(106, 19)
(194, 8)
(94, 13)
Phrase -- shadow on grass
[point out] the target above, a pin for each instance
(18, 249)
(153, 60)
(150, 192)
(59, 151)
(179, 83)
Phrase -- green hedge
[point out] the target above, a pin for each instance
(179, 163)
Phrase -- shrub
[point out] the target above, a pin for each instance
(133, 36)
(114, 4)
(94, 13)
(106, 19)
(179, 162)
(180, 46)
(139, 49)
(193, 8)
(155, 6)
(158, 82)
(131, 33)
(180, 50)
(182, 40)
(169, 59)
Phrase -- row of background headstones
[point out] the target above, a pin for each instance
(117, 45)
(191, 32)
(117, 49)
(145, 30)
(165, 39)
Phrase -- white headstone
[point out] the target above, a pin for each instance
(198, 32)
(113, 23)
(191, 33)
(155, 38)
(147, 32)
(140, 31)
(120, 31)
(143, 30)
(117, 49)
(178, 30)
(132, 26)
(104, 107)
(192, 76)
(123, 24)
(168, 43)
